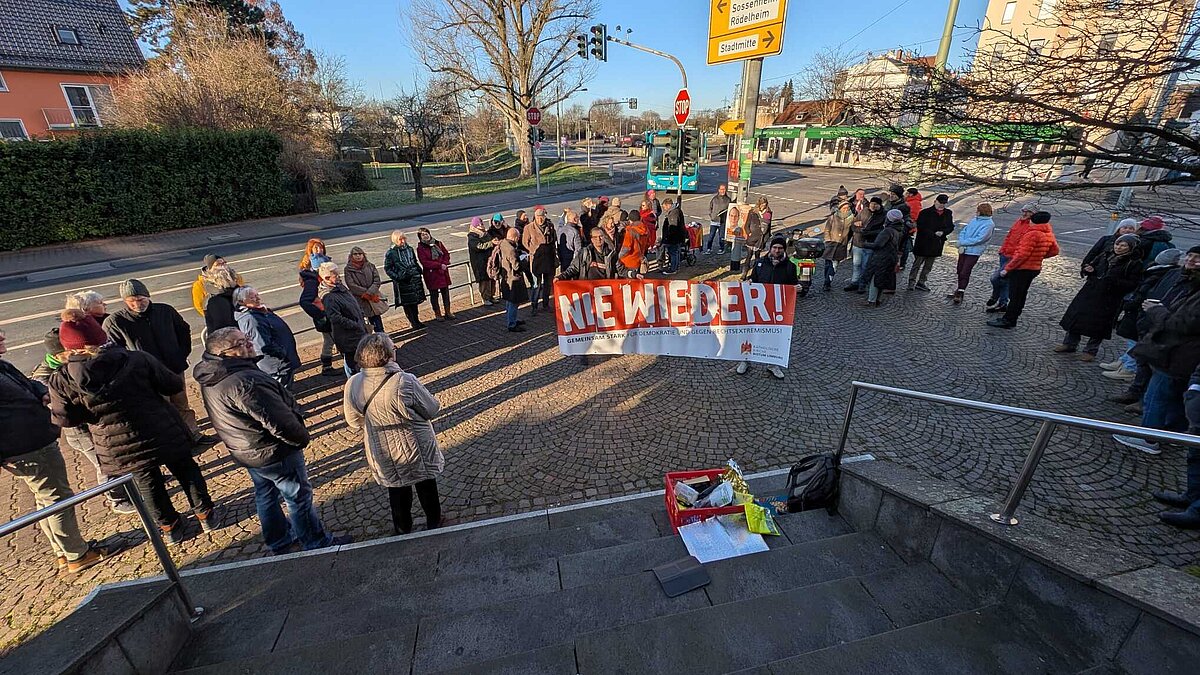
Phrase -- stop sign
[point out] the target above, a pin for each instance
(533, 116)
(683, 107)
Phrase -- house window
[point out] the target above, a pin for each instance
(66, 36)
(13, 130)
(1046, 10)
(1036, 49)
(1009, 10)
(3, 84)
(87, 102)
(1108, 43)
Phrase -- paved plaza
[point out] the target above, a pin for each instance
(523, 427)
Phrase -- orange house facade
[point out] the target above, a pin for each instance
(59, 63)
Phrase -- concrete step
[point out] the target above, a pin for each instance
(383, 652)
(528, 624)
(479, 558)
(988, 641)
(769, 626)
(556, 660)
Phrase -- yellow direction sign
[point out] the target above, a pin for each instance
(733, 127)
(744, 29)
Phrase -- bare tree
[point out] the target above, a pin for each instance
(338, 100)
(1073, 104)
(515, 52)
(821, 83)
(426, 117)
(605, 114)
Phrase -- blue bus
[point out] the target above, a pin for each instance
(663, 175)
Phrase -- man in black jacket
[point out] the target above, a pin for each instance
(597, 260)
(261, 424)
(675, 234)
(30, 452)
(773, 268)
(934, 225)
(158, 330)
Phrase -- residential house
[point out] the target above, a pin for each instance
(59, 61)
(874, 86)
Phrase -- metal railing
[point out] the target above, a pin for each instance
(1050, 421)
(160, 549)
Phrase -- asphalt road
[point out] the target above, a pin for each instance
(798, 195)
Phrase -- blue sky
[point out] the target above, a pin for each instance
(368, 33)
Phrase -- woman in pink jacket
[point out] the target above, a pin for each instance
(435, 267)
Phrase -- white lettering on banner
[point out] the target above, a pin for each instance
(704, 304)
(728, 300)
(604, 315)
(640, 303)
(679, 301)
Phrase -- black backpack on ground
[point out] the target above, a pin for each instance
(813, 483)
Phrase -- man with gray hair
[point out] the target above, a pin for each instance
(261, 424)
(272, 338)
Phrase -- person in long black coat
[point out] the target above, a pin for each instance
(934, 225)
(880, 271)
(1094, 310)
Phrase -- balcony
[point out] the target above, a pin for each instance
(75, 117)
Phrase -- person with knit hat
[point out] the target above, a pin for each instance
(998, 303)
(30, 452)
(773, 268)
(1156, 281)
(1170, 345)
(879, 274)
(1036, 245)
(1093, 311)
(124, 398)
(1104, 246)
(160, 331)
(480, 246)
(79, 438)
(201, 291)
(1155, 239)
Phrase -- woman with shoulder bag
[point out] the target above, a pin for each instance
(395, 412)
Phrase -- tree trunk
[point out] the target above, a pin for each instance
(418, 189)
(524, 149)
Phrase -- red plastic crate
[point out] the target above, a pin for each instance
(679, 516)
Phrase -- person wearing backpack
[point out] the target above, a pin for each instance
(480, 246)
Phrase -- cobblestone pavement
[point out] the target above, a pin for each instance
(523, 427)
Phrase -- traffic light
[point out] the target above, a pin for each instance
(633, 104)
(581, 46)
(532, 135)
(541, 135)
(689, 145)
(599, 42)
(671, 158)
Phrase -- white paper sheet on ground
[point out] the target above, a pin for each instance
(720, 538)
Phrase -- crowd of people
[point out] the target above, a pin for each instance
(112, 384)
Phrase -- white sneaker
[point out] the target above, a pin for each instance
(741, 367)
(776, 371)
(1148, 447)
(1120, 374)
(1111, 365)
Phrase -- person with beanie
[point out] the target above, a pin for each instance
(895, 198)
(480, 246)
(934, 225)
(124, 398)
(200, 291)
(1037, 244)
(773, 268)
(972, 242)
(1104, 245)
(880, 271)
(1155, 239)
(843, 195)
(998, 303)
(79, 438)
(30, 452)
(1093, 311)
(1156, 281)
(1170, 345)
(314, 255)
(158, 330)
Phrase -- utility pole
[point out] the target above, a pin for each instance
(939, 66)
(751, 78)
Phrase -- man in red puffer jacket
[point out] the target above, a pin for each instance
(1037, 244)
(998, 303)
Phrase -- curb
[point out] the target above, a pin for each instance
(436, 209)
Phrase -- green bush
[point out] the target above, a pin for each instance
(136, 181)
(354, 176)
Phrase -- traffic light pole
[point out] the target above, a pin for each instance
(751, 78)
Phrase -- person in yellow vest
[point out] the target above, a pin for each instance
(199, 293)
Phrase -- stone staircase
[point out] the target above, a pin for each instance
(896, 582)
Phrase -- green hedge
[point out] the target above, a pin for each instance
(136, 181)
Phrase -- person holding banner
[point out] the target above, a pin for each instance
(634, 244)
(512, 280)
(774, 268)
(596, 261)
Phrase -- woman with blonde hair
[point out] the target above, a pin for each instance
(972, 242)
(403, 268)
(314, 255)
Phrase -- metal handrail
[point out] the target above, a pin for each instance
(160, 548)
(1050, 422)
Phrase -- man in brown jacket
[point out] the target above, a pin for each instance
(538, 238)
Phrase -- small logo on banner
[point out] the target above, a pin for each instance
(747, 348)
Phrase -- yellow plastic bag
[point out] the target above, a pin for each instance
(759, 521)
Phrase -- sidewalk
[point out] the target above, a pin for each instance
(61, 260)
